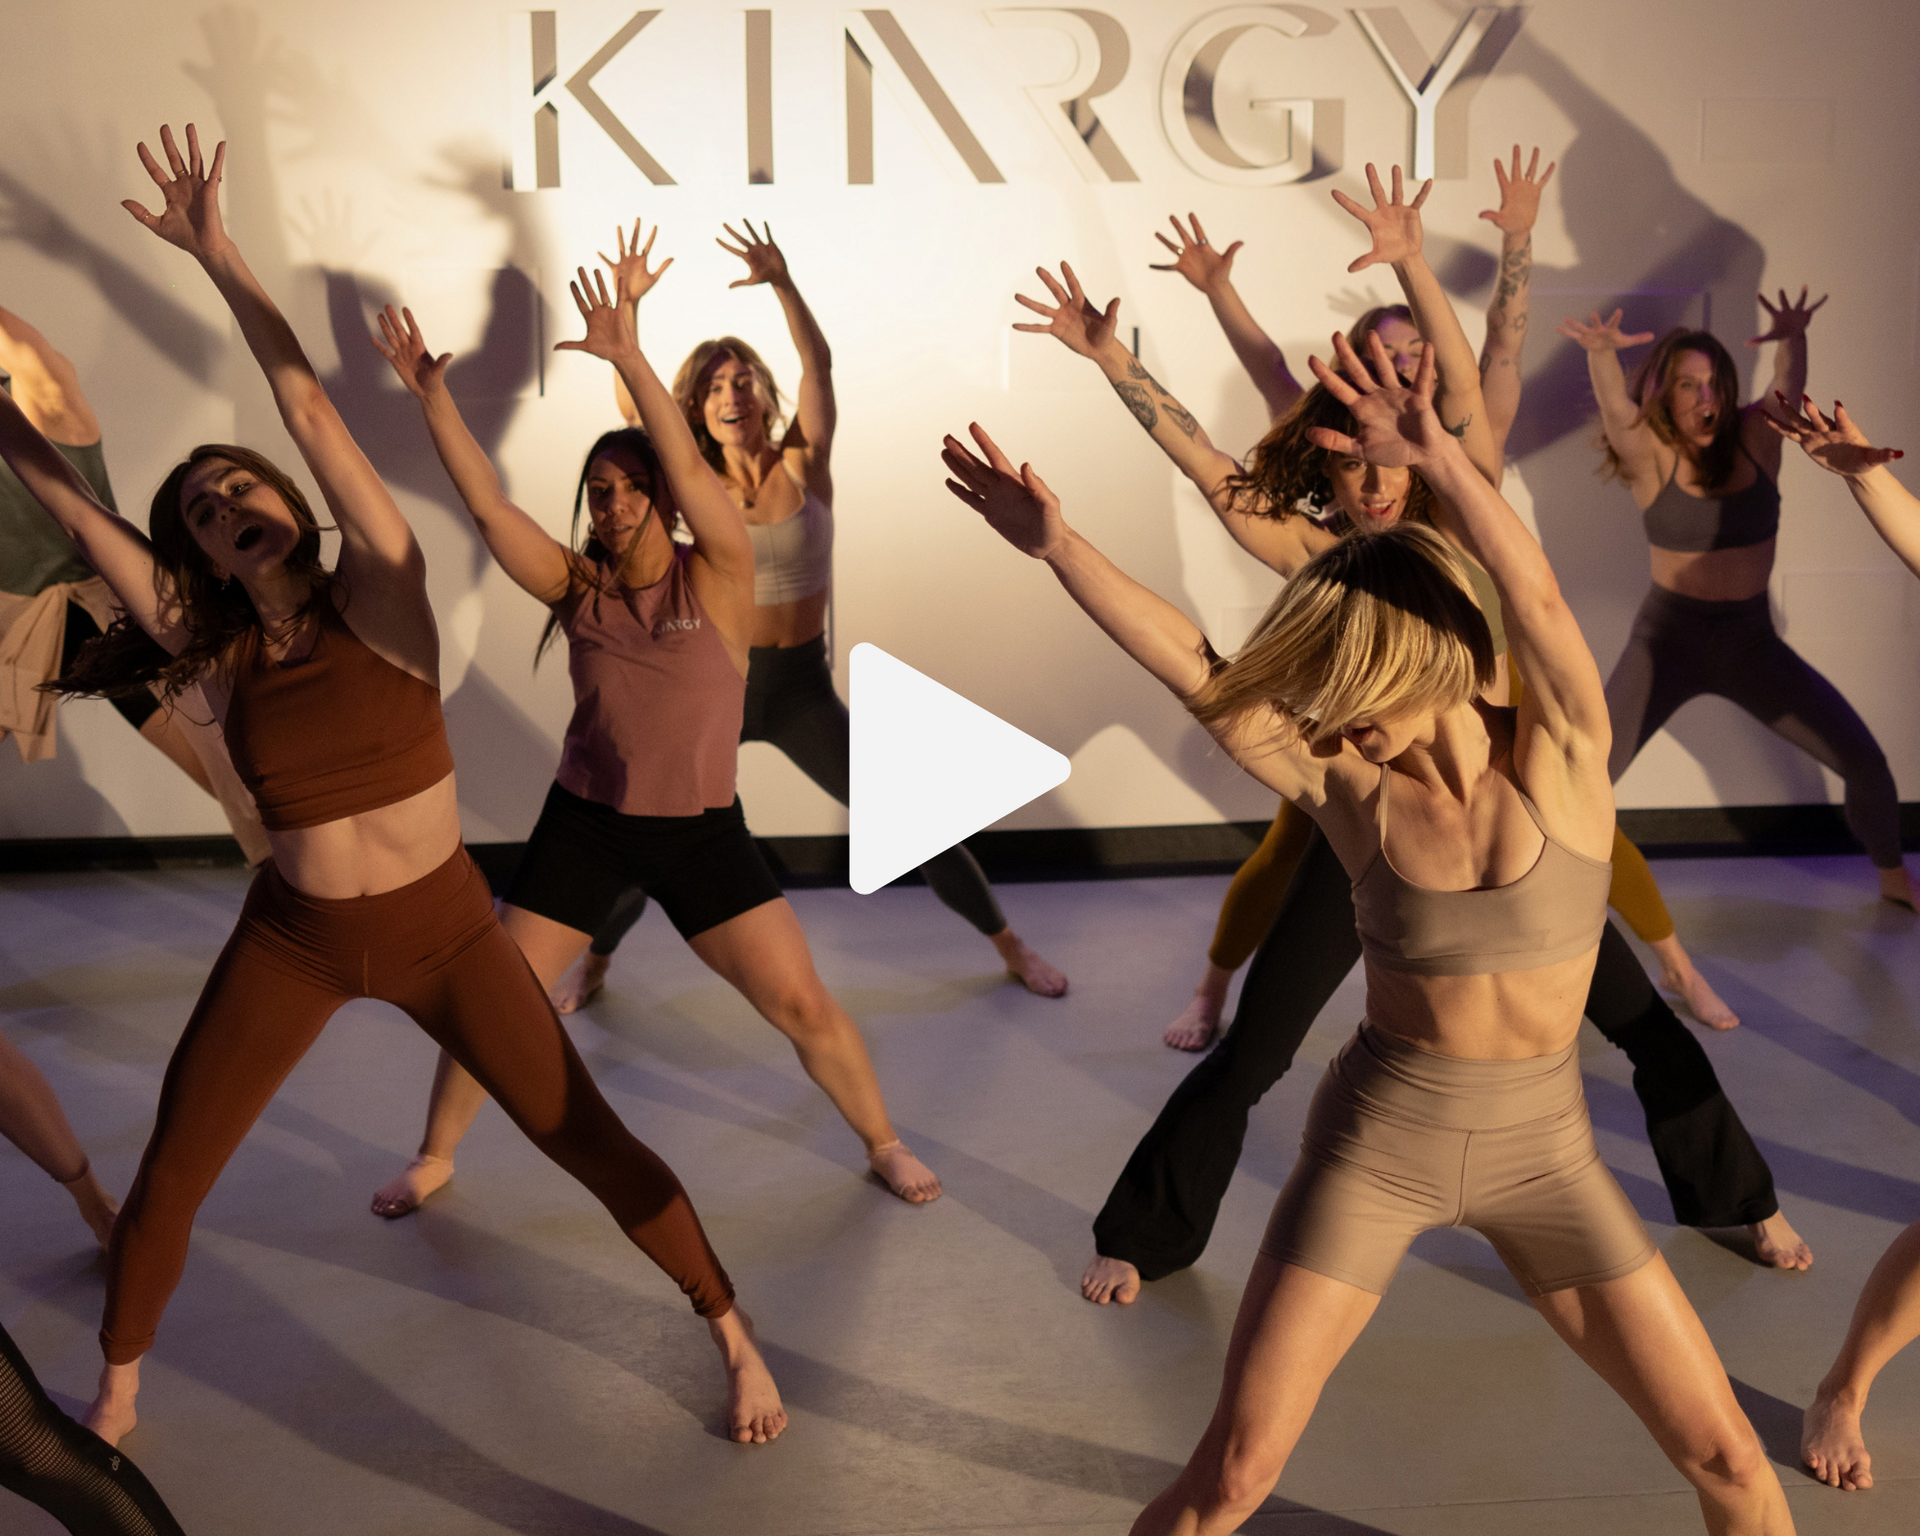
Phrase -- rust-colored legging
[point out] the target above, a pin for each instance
(434, 950)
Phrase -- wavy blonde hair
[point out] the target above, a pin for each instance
(1377, 627)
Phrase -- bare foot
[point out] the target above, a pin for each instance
(419, 1179)
(1197, 1028)
(1831, 1443)
(582, 984)
(903, 1173)
(1028, 968)
(1896, 888)
(1699, 998)
(1110, 1280)
(754, 1414)
(1778, 1245)
(97, 1207)
(111, 1415)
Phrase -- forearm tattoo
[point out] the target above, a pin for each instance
(1516, 272)
(1138, 401)
(1461, 430)
(1140, 397)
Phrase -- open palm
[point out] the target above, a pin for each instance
(1393, 222)
(1071, 316)
(1394, 424)
(1835, 443)
(189, 216)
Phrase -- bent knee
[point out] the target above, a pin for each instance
(1731, 1456)
(802, 1011)
(1244, 1478)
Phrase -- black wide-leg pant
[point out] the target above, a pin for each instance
(1161, 1212)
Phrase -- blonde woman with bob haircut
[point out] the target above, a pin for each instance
(1477, 839)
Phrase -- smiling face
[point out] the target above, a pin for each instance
(242, 525)
(618, 501)
(1372, 496)
(735, 414)
(1693, 401)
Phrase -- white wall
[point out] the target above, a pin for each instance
(1705, 150)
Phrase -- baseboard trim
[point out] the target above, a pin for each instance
(1063, 853)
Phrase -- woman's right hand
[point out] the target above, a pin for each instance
(610, 334)
(1195, 260)
(1835, 444)
(1599, 335)
(632, 278)
(1394, 423)
(402, 345)
(1015, 502)
(190, 214)
(1071, 317)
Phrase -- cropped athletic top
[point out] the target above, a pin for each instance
(338, 732)
(657, 702)
(1692, 525)
(793, 558)
(1553, 912)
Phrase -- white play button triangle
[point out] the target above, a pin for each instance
(929, 768)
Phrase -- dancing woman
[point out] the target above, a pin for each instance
(779, 475)
(1702, 471)
(325, 681)
(657, 641)
(1886, 1318)
(1477, 839)
(1253, 899)
(1161, 1211)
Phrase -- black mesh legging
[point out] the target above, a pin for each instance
(791, 703)
(67, 1469)
(1163, 1206)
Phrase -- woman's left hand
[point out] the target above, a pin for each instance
(632, 278)
(764, 262)
(1789, 320)
(1835, 444)
(1393, 222)
(1519, 194)
(610, 332)
(1394, 423)
(190, 214)
(402, 345)
(1015, 502)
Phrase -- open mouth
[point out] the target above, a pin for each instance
(248, 536)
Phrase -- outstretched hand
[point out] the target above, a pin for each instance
(1393, 222)
(632, 277)
(1394, 422)
(1599, 335)
(402, 345)
(1195, 260)
(189, 216)
(1519, 194)
(1835, 443)
(764, 262)
(1072, 316)
(1015, 502)
(610, 332)
(1789, 320)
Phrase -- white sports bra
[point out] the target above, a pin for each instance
(793, 558)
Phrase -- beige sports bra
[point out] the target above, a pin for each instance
(793, 558)
(1553, 912)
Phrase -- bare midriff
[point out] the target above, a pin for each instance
(1507, 1016)
(1715, 575)
(374, 851)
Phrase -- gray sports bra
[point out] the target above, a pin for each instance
(1553, 912)
(1692, 525)
(793, 558)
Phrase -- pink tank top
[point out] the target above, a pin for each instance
(657, 701)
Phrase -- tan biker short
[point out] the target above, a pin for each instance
(1402, 1139)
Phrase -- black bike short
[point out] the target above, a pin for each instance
(703, 870)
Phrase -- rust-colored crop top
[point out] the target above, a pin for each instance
(339, 732)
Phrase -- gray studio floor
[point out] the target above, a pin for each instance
(504, 1362)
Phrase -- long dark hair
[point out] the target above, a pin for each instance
(1652, 391)
(590, 558)
(216, 613)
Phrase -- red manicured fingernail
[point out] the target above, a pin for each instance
(1899, 453)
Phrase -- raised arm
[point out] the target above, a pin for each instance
(1507, 311)
(1627, 432)
(1397, 235)
(529, 554)
(1092, 333)
(633, 279)
(1838, 445)
(45, 385)
(1789, 331)
(815, 414)
(379, 556)
(720, 539)
(1211, 271)
(1563, 732)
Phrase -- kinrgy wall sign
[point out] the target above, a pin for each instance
(542, 94)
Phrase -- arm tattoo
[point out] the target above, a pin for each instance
(1516, 271)
(1138, 401)
(1461, 430)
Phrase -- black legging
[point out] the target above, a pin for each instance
(1163, 1207)
(791, 703)
(67, 1469)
